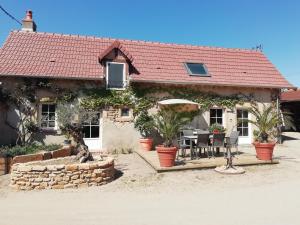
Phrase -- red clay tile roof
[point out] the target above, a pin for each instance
(68, 56)
(290, 96)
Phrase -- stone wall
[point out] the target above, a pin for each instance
(4, 164)
(29, 176)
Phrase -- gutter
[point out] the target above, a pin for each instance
(52, 77)
(209, 84)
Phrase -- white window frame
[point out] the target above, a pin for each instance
(41, 116)
(124, 76)
(91, 125)
(223, 119)
(244, 109)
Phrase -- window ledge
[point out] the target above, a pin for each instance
(124, 119)
(120, 89)
(199, 75)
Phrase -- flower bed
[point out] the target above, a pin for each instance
(7, 160)
(61, 173)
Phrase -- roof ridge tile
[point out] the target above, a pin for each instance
(140, 41)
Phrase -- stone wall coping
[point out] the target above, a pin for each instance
(33, 166)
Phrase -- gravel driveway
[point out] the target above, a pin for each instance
(268, 194)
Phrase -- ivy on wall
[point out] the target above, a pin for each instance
(137, 97)
(140, 98)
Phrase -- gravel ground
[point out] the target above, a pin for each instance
(264, 195)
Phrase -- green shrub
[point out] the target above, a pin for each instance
(9, 151)
(49, 148)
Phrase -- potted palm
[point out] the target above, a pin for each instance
(266, 121)
(144, 124)
(168, 123)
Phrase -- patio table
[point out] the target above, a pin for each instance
(193, 138)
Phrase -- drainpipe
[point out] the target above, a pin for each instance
(279, 126)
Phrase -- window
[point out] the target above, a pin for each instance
(242, 126)
(124, 112)
(196, 69)
(216, 116)
(91, 128)
(115, 78)
(48, 116)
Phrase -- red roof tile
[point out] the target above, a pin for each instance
(290, 96)
(69, 56)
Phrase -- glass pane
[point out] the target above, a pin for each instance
(245, 131)
(125, 112)
(115, 75)
(95, 120)
(51, 116)
(213, 113)
(240, 130)
(51, 108)
(219, 112)
(86, 132)
(196, 68)
(245, 114)
(239, 113)
(212, 121)
(51, 123)
(44, 108)
(219, 121)
(45, 116)
(94, 132)
(44, 124)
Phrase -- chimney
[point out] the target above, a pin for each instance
(27, 23)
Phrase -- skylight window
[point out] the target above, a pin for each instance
(196, 69)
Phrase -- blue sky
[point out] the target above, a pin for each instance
(225, 23)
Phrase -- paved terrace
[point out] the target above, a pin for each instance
(246, 157)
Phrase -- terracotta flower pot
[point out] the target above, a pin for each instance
(166, 155)
(264, 151)
(146, 143)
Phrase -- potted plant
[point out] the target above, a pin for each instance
(216, 128)
(266, 121)
(168, 123)
(144, 124)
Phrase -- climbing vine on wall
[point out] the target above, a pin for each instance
(140, 98)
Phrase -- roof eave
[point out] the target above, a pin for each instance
(210, 84)
(53, 77)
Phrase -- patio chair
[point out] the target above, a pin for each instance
(218, 141)
(233, 141)
(183, 145)
(203, 142)
(187, 133)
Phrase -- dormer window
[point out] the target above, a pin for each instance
(115, 75)
(196, 69)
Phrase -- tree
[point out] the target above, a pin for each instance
(71, 118)
(22, 99)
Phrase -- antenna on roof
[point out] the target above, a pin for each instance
(258, 48)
